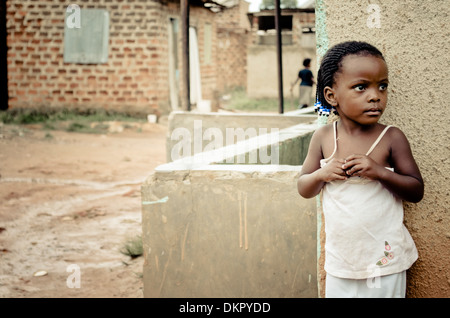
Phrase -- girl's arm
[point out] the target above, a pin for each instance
(405, 182)
(313, 177)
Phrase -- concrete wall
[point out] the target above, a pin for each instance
(191, 121)
(228, 234)
(414, 37)
(231, 230)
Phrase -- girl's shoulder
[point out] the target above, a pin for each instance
(396, 135)
(325, 131)
(323, 138)
(392, 131)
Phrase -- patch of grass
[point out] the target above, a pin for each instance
(237, 99)
(73, 120)
(75, 126)
(46, 115)
(85, 127)
(133, 247)
(49, 126)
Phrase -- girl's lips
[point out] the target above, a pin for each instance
(373, 111)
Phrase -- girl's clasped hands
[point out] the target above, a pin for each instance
(353, 166)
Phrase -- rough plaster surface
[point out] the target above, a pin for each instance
(228, 234)
(414, 38)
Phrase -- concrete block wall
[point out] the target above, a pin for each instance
(234, 233)
(191, 122)
(230, 230)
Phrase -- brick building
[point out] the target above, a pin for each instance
(141, 69)
(233, 39)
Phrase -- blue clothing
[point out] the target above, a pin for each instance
(306, 76)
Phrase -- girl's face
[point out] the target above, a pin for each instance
(360, 89)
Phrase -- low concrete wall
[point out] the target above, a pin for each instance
(243, 232)
(230, 230)
(191, 127)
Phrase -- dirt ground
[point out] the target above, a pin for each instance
(69, 202)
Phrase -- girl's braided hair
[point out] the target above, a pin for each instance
(332, 63)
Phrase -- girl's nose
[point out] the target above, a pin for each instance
(374, 96)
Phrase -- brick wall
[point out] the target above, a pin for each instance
(134, 78)
(231, 59)
(232, 39)
(3, 59)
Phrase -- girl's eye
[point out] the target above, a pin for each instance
(383, 87)
(359, 87)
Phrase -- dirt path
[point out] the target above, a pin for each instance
(69, 201)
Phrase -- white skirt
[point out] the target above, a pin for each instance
(389, 286)
(305, 97)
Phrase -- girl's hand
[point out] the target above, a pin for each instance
(362, 166)
(333, 171)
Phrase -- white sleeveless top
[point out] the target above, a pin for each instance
(365, 235)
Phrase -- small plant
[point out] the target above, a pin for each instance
(133, 247)
(76, 127)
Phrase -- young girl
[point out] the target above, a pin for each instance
(364, 170)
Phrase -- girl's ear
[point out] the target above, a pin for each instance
(330, 96)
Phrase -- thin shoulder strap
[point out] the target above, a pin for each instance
(335, 141)
(378, 139)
